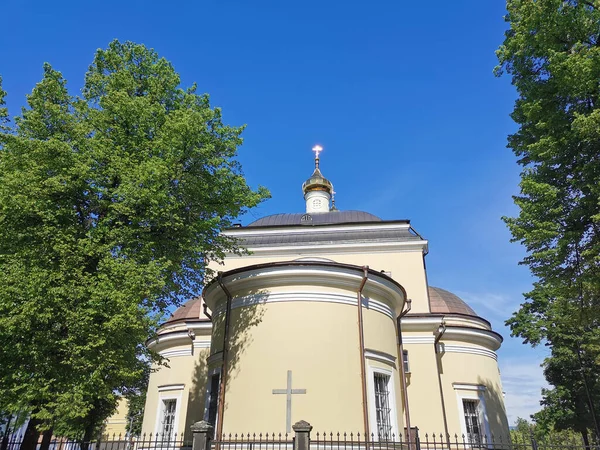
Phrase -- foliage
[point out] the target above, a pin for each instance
(525, 432)
(565, 407)
(110, 207)
(552, 53)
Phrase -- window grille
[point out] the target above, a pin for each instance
(213, 399)
(382, 406)
(471, 409)
(168, 419)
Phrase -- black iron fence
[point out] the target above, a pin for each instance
(253, 441)
(422, 441)
(303, 438)
(106, 442)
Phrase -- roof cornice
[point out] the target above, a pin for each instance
(323, 228)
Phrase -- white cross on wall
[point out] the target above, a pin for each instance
(288, 391)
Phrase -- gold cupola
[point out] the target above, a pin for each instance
(317, 189)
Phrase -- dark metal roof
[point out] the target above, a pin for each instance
(315, 218)
(190, 310)
(327, 237)
(443, 301)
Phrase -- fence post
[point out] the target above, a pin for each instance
(202, 435)
(302, 437)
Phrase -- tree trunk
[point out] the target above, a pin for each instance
(88, 435)
(586, 439)
(30, 438)
(46, 439)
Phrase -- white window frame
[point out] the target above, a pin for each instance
(372, 405)
(211, 372)
(406, 361)
(472, 392)
(168, 392)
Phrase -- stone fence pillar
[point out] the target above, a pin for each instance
(302, 438)
(203, 434)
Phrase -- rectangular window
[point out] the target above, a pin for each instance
(213, 398)
(473, 426)
(168, 419)
(382, 406)
(405, 361)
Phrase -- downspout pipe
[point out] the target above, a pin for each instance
(438, 337)
(361, 344)
(403, 371)
(224, 363)
(205, 310)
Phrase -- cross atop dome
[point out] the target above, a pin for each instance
(317, 149)
(317, 189)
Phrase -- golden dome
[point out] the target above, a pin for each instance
(317, 182)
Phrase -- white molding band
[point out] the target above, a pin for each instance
(484, 338)
(380, 356)
(470, 351)
(202, 328)
(449, 348)
(171, 387)
(174, 353)
(367, 247)
(170, 352)
(201, 344)
(469, 387)
(182, 336)
(418, 339)
(279, 297)
(409, 323)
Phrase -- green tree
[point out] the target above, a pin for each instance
(552, 52)
(565, 407)
(526, 433)
(110, 207)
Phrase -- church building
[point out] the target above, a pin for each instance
(328, 318)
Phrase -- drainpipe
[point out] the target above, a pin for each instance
(361, 344)
(403, 370)
(224, 363)
(206, 313)
(440, 333)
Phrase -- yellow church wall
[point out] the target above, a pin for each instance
(406, 267)
(116, 424)
(184, 380)
(380, 332)
(462, 373)
(423, 388)
(318, 342)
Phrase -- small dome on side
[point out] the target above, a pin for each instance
(190, 310)
(442, 301)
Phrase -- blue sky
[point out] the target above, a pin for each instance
(400, 94)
